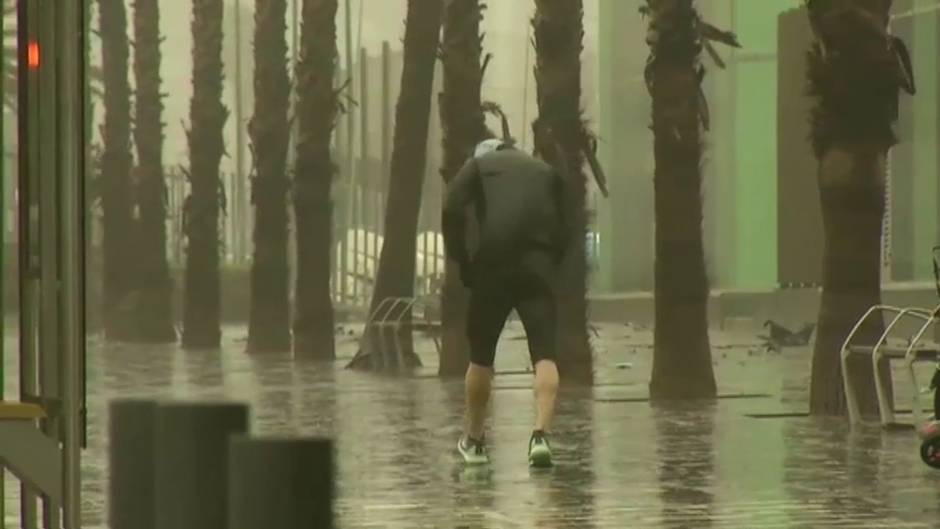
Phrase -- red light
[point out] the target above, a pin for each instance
(32, 55)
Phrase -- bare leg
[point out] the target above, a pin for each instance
(478, 382)
(546, 388)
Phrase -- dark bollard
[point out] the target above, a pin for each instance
(280, 483)
(191, 447)
(131, 461)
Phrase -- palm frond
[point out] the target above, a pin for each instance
(852, 48)
(905, 70)
(492, 108)
(589, 147)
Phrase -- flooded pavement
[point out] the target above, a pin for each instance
(620, 461)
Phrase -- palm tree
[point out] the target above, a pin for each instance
(560, 136)
(317, 106)
(855, 70)
(201, 209)
(154, 312)
(463, 126)
(682, 366)
(115, 181)
(396, 270)
(269, 326)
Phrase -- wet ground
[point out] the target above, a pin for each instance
(620, 462)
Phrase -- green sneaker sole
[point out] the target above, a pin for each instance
(540, 459)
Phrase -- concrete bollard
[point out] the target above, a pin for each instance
(280, 483)
(131, 463)
(191, 458)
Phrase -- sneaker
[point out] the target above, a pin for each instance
(540, 452)
(472, 450)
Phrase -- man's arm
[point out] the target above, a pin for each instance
(460, 194)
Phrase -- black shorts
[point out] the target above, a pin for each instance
(492, 298)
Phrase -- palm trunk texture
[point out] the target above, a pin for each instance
(201, 328)
(852, 75)
(268, 322)
(154, 309)
(463, 126)
(115, 185)
(317, 107)
(396, 269)
(682, 366)
(560, 135)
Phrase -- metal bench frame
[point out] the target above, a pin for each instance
(911, 355)
(390, 315)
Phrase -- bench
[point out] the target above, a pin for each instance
(911, 352)
(19, 411)
(27, 452)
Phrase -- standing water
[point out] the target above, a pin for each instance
(620, 462)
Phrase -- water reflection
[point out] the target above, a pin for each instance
(620, 464)
(202, 373)
(685, 446)
(469, 493)
(145, 370)
(314, 396)
(564, 494)
(272, 391)
(825, 450)
(473, 487)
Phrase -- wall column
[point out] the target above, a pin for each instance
(625, 219)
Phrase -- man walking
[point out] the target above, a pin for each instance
(522, 237)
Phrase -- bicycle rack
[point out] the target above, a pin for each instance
(390, 314)
(910, 354)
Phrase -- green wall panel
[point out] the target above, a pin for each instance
(924, 51)
(756, 142)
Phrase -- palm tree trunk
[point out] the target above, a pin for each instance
(201, 328)
(269, 324)
(682, 366)
(317, 107)
(115, 186)
(396, 271)
(463, 125)
(852, 73)
(154, 311)
(560, 135)
(852, 192)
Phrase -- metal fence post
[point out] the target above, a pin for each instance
(131, 453)
(280, 483)
(191, 460)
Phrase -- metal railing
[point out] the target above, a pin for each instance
(394, 314)
(910, 356)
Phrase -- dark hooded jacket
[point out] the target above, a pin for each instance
(519, 204)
